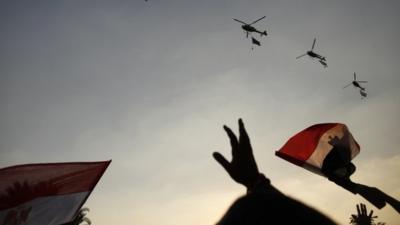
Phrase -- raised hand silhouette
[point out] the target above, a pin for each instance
(263, 203)
(243, 167)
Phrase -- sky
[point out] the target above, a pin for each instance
(150, 85)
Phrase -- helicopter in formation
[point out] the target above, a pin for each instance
(248, 28)
(312, 54)
(356, 84)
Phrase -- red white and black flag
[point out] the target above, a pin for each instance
(46, 194)
(327, 149)
(310, 147)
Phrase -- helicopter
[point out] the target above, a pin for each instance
(248, 28)
(312, 54)
(356, 84)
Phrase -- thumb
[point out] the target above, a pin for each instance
(222, 161)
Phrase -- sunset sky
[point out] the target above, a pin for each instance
(150, 85)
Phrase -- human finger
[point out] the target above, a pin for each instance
(222, 161)
(233, 139)
(243, 136)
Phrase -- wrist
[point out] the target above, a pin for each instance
(260, 183)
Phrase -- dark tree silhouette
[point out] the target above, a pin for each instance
(362, 217)
(80, 218)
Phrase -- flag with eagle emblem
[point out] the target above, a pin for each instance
(48, 193)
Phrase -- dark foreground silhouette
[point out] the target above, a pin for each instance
(338, 168)
(263, 203)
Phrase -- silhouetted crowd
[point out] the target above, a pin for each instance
(264, 204)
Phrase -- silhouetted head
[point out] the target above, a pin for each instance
(271, 208)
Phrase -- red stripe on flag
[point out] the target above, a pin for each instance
(22, 183)
(300, 147)
(289, 158)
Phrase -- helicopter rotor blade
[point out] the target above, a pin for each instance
(347, 85)
(239, 21)
(257, 20)
(355, 76)
(298, 57)
(313, 44)
(362, 81)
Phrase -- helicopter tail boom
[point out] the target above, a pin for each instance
(264, 33)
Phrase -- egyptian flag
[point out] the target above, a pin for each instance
(255, 41)
(46, 194)
(310, 147)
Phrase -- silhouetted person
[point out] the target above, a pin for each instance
(337, 164)
(338, 168)
(362, 218)
(263, 203)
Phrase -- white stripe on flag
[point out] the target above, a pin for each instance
(52, 210)
(323, 148)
